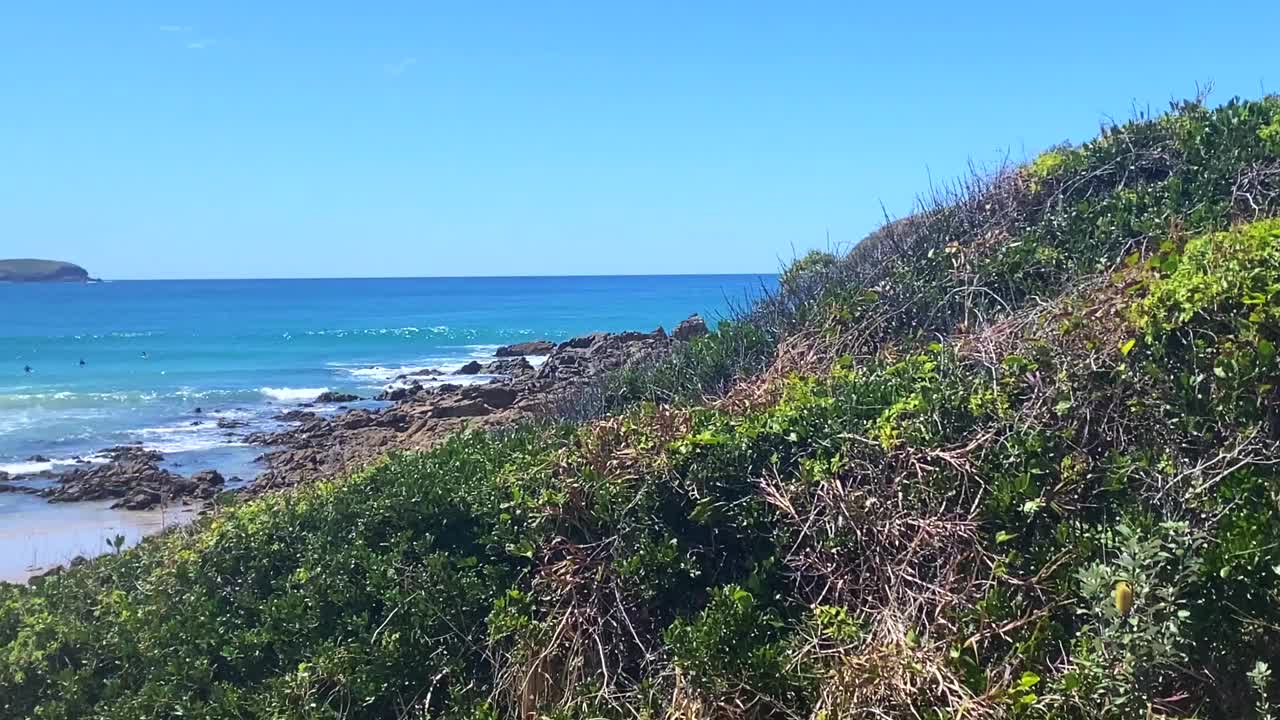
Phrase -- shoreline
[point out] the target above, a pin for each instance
(122, 487)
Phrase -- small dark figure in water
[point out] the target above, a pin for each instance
(145, 356)
(81, 362)
(27, 369)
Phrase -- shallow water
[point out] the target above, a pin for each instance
(164, 361)
(37, 535)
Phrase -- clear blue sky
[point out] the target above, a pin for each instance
(297, 139)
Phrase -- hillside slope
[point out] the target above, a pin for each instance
(27, 270)
(1017, 455)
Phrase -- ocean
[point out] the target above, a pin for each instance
(242, 351)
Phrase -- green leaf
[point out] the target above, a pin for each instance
(1266, 350)
(1126, 347)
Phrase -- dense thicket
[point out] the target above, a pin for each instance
(1013, 456)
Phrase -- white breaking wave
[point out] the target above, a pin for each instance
(190, 443)
(294, 395)
(28, 467)
(400, 331)
(383, 374)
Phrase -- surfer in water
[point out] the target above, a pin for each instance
(27, 369)
(81, 362)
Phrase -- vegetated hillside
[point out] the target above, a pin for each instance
(1014, 456)
(26, 270)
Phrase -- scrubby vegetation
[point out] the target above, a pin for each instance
(1014, 456)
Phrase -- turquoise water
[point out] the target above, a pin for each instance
(246, 350)
(155, 351)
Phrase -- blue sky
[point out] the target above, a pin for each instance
(311, 139)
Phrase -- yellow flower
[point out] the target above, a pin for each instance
(1124, 597)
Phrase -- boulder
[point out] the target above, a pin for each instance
(336, 397)
(230, 424)
(356, 420)
(494, 395)
(471, 368)
(394, 420)
(37, 459)
(142, 499)
(135, 452)
(208, 477)
(535, 347)
(459, 408)
(585, 341)
(511, 367)
(397, 394)
(425, 372)
(693, 327)
(291, 416)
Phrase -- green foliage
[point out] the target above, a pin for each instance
(705, 366)
(931, 521)
(813, 262)
(1125, 660)
(1214, 275)
(735, 647)
(322, 603)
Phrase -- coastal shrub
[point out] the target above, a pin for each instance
(704, 367)
(1014, 456)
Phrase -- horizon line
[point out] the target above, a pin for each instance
(440, 277)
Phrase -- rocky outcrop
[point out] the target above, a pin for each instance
(472, 368)
(400, 394)
(423, 416)
(535, 347)
(134, 479)
(330, 397)
(513, 367)
(295, 416)
(693, 327)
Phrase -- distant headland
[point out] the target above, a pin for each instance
(28, 270)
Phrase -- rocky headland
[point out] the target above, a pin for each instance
(25, 270)
(427, 407)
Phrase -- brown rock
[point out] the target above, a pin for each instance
(296, 416)
(208, 477)
(139, 500)
(494, 395)
(460, 408)
(336, 397)
(511, 367)
(693, 327)
(535, 347)
(399, 394)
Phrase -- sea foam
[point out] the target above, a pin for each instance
(292, 395)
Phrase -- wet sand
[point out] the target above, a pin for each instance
(37, 535)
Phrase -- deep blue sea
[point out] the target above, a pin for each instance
(244, 350)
